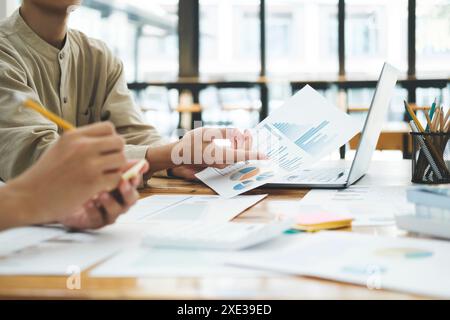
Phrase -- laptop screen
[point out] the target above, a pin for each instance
(374, 122)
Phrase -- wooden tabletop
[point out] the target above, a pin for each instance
(280, 287)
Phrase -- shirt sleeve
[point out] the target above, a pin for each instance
(127, 117)
(24, 134)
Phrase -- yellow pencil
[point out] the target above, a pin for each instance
(436, 120)
(447, 116)
(26, 102)
(427, 116)
(131, 173)
(413, 117)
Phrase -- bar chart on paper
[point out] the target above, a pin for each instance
(271, 143)
(313, 138)
(293, 138)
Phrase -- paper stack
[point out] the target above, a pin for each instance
(432, 211)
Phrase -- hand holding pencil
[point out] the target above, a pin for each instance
(109, 192)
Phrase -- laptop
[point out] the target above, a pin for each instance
(336, 175)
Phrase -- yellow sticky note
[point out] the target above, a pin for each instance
(322, 221)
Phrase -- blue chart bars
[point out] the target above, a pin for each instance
(290, 130)
(281, 154)
(312, 141)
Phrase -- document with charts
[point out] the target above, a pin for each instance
(418, 266)
(302, 131)
(368, 205)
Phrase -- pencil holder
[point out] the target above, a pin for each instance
(430, 158)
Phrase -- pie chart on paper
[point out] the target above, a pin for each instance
(406, 253)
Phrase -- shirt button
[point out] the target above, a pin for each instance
(65, 100)
(61, 56)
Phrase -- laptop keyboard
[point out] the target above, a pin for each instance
(325, 175)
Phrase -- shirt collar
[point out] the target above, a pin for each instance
(31, 38)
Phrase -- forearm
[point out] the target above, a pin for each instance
(22, 146)
(14, 208)
(160, 158)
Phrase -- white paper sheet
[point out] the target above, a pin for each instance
(415, 266)
(148, 262)
(142, 262)
(63, 254)
(19, 238)
(189, 208)
(302, 131)
(369, 205)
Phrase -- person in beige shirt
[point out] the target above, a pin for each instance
(79, 79)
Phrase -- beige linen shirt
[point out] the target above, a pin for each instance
(80, 83)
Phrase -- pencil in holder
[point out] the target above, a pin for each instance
(431, 157)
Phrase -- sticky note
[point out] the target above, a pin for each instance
(322, 220)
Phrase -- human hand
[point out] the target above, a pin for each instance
(198, 148)
(81, 164)
(104, 209)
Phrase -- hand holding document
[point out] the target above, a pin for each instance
(302, 131)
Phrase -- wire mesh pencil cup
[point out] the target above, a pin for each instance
(430, 157)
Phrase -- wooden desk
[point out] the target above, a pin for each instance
(381, 173)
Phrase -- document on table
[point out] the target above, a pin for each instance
(152, 262)
(67, 252)
(415, 266)
(368, 205)
(302, 131)
(189, 208)
(19, 238)
(144, 262)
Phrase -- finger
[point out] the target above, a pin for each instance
(236, 137)
(239, 141)
(239, 155)
(112, 207)
(221, 166)
(145, 168)
(189, 173)
(95, 218)
(110, 180)
(100, 129)
(131, 163)
(230, 133)
(129, 193)
(88, 218)
(248, 140)
(211, 134)
(136, 181)
(106, 145)
(112, 162)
